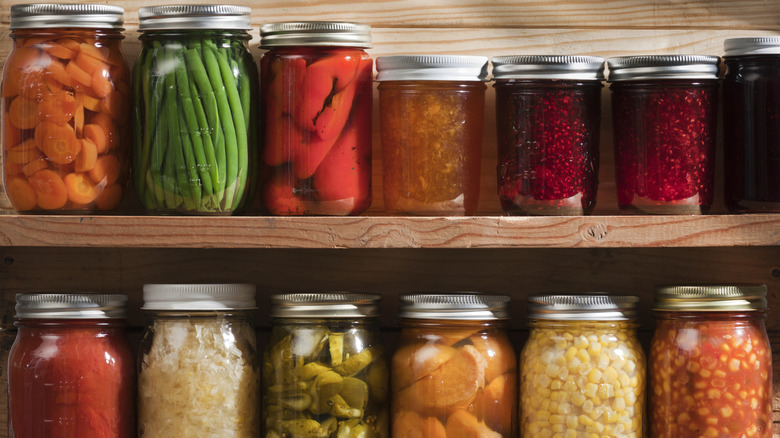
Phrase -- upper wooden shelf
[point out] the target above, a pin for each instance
(389, 232)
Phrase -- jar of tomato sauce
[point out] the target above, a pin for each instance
(71, 370)
(454, 372)
(65, 103)
(315, 118)
(710, 363)
(430, 111)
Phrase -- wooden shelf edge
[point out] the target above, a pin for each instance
(390, 232)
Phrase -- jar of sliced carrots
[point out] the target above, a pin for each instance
(65, 103)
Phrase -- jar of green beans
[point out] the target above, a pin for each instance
(194, 85)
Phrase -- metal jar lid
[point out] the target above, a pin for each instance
(325, 305)
(71, 306)
(47, 15)
(171, 17)
(767, 45)
(632, 68)
(431, 68)
(315, 33)
(199, 297)
(454, 306)
(711, 298)
(570, 67)
(585, 307)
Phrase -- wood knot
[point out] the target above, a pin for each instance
(594, 232)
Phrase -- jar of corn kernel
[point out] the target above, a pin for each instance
(710, 364)
(582, 370)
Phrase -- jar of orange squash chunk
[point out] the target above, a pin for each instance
(454, 373)
(65, 100)
(710, 363)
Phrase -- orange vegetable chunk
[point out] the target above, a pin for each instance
(60, 51)
(100, 83)
(57, 108)
(49, 189)
(414, 361)
(35, 165)
(56, 71)
(87, 157)
(58, 142)
(23, 113)
(90, 64)
(461, 424)
(107, 124)
(23, 153)
(21, 194)
(106, 170)
(498, 353)
(81, 189)
(409, 424)
(95, 134)
(78, 74)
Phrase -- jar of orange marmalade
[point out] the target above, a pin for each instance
(65, 103)
(710, 363)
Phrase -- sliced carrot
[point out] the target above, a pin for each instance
(33, 166)
(100, 83)
(109, 128)
(12, 169)
(52, 86)
(49, 189)
(30, 42)
(23, 113)
(87, 157)
(78, 119)
(12, 135)
(78, 74)
(106, 170)
(91, 64)
(99, 53)
(109, 198)
(23, 153)
(21, 194)
(58, 142)
(60, 51)
(81, 189)
(57, 108)
(117, 106)
(56, 71)
(90, 102)
(69, 43)
(11, 82)
(409, 424)
(31, 83)
(96, 135)
(23, 57)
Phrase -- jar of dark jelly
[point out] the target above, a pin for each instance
(664, 115)
(548, 113)
(751, 124)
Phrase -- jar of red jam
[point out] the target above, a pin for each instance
(430, 112)
(548, 116)
(65, 107)
(664, 116)
(751, 124)
(710, 363)
(71, 371)
(315, 118)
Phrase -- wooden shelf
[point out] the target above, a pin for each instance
(389, 232)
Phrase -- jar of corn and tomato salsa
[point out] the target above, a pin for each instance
(710, 363)
(582, 370)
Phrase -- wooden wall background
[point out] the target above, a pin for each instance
(477, 27)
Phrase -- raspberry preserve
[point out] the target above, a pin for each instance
(664, 113)
(548, 113)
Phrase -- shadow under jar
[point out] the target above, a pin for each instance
(548, 116)
(664, 120)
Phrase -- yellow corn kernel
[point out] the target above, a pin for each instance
(583, 356)
(557, 419)
(594, 376)
(563, 373)
(570, 387)
(558, 429)
(590, 390)
(551, 371)
(571, 433)
(598, 411)
(580, 342)
(634, 382)
(594, 349)
(584, 369)
(587, 407)
(571, 422)
(624, 379)
(610, 375)
(564, 408)
(570, 354)
(734, 365)
(543, 381)
(610, 416)
(619, 404)
(630, 366)
(584, 420)
(556, 384)
(543, 416)
(606, 391)
(603, 362)
(577, 399)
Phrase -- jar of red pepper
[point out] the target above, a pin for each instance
(710, 363)
(316, 100)
(664, 115)
(751, 129)
(71, 371)
(548, 114)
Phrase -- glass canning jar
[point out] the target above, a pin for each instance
(315, 117)
(548, 117)
(664, 117)
(431, 118)
(454, 372)
(70, 369)
(582, 369)
(198, 365)
(325, 372)
(194, 88)
(710, 363)
(751, 124)
(65, 109)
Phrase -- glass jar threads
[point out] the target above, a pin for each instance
(454, 372)
(71, 370)
(194, 83)
(710, 363)
(431, 118)
(582, 369)
(548, 116)
(198, 366)
(316, 104)
(325, 372)
(65, 103)
(751, 128)
(664, 114)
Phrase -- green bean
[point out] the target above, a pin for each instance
(240, 122)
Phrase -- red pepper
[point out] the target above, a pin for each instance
(287, 75)
(279, 196)
(281, 134)
(324, 79)
(339, 176)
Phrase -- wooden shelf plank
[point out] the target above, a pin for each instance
(389, 232)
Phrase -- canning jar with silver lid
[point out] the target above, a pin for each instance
(582, 369)
(325, 371)
(454, 372)
(664, 114)
(548, 116)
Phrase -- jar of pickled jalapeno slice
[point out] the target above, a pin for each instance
(710, 364)
(325, 373)
(582, 370)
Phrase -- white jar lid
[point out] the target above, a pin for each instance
(199, 297)
(431, 68)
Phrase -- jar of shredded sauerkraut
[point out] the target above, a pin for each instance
(198, 370)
